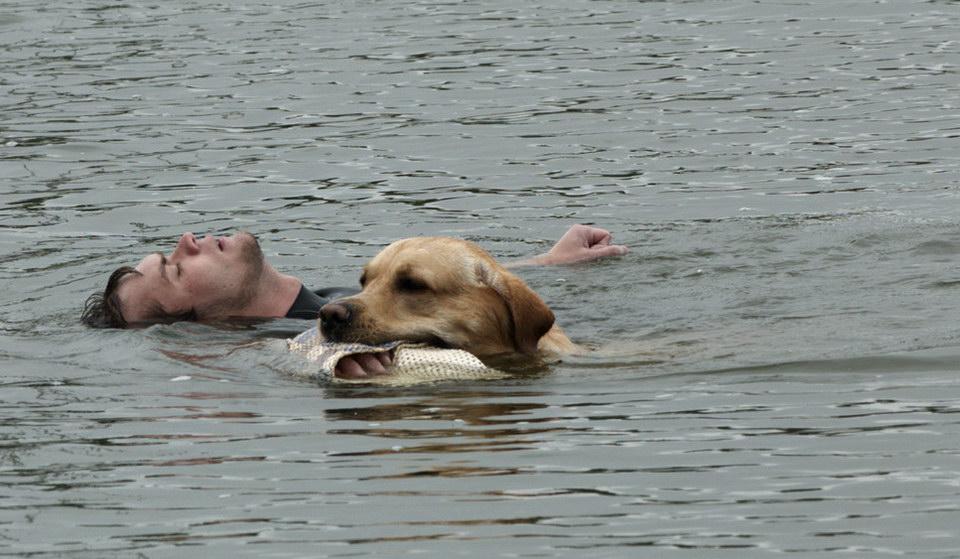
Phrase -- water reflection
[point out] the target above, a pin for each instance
(465, 418)
(457, 406)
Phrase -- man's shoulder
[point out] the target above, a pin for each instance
(309, 301)
(331, 293)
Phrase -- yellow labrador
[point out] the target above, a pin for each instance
(448, 293)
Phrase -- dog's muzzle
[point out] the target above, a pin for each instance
(335, 319)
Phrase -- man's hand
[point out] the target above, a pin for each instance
(581, 243)
(363, 365)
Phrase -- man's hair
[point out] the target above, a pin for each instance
(102, 310)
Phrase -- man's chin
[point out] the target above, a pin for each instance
(253, 256)
(250, 245)
(246, 236)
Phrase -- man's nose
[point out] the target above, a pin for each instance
(186, 246)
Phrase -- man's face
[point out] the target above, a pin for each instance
(214, 276)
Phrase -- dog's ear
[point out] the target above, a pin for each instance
(532, 318)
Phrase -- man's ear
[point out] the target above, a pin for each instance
(532, 318)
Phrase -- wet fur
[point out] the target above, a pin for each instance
(446, 292)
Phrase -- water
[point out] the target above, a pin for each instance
(778, 355)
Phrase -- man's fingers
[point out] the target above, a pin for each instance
(615, 250)
(349, 368)
(593, 235)
(600, 237)
(371, 365)
(363, 365)
(386, 358)
(582, 243)
(608, 250)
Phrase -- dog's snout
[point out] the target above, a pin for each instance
(336, 320)
(335, 313)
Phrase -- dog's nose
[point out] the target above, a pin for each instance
(333, 315)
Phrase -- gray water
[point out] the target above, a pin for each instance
(778, 355)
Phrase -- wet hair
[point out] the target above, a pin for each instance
(102, 310)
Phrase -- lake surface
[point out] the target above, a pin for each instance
(779, 352)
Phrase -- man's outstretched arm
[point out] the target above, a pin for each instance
(581, 243)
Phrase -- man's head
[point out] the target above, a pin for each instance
(202, 279)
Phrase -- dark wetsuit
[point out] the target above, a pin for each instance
(308, 303)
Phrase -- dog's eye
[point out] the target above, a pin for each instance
(363, 279)
(411, 285)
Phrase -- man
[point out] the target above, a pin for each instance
(217, 278)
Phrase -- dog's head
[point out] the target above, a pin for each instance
(442, 291)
